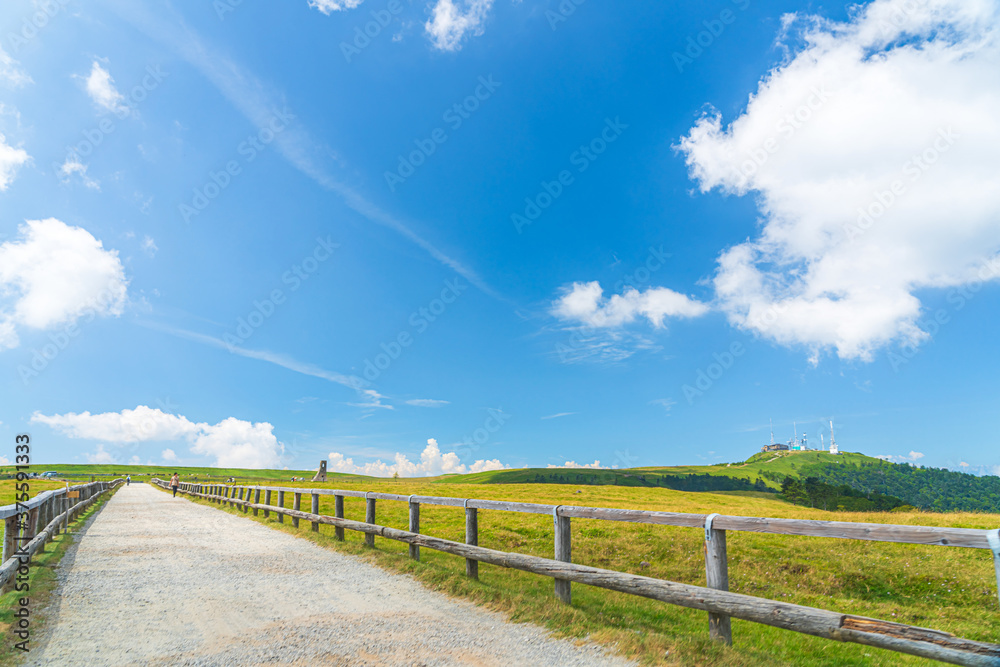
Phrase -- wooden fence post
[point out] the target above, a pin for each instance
(267, 501)
(369, 518)
(563, 552)
(256, 500)
(297, 506)
(717, 576)
(9, 537)
(315, 510)
(338, 511)
(414, 527)
(471, 537)
(993, 538)
(281, 504)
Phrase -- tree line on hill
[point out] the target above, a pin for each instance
(814, 493)
(704, 482)
(933, 489)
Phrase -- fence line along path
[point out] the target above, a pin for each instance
(28, 526)
(715, 599)
(158, 580)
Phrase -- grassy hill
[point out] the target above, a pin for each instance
(770, 469)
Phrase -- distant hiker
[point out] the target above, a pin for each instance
(175, 482)
(128, 479)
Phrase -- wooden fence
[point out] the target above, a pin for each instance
(715, 599)
(52, 510)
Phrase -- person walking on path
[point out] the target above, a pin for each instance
(128, 480)
(175, 482)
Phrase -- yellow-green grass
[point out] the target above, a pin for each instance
(949, 589)
(8, 491)
(41, 583)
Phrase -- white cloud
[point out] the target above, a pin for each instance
(557, 415)
(585, 303)
(327, 6)
(449, 22)
(4, 461)
(903, 96)
(71, 166)
(231, 443)
(11, 72)
(427, 402)
(55, 275)
(144, 424)
(168, 455)
(100, 456)
(101, 88)
(235, 443)
(665, 403)
(149, 246)
(909, 458)
(134, 461)
(11, 160)
(573, 464)
(432, 462)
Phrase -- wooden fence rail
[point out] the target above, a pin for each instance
(716, 599)
(53, 510)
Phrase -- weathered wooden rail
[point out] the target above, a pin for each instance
(715, 599)
(52, 510)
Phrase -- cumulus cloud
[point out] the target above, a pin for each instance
(100, 455)
(101, 88)
(232, 443)
(585, 303)
(54, 275)
(11, 160)
(71, 166)
(871, 153)
(235, 443)
(168, 455)
(11, 72)
(328, 6)
(450, 21)
(432, 462)
(573, 464)
(909, 458)
(149, 246)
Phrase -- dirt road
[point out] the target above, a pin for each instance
(156, 580)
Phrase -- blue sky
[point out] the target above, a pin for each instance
(494, 233)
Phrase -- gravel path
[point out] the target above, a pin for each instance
(157, 580)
